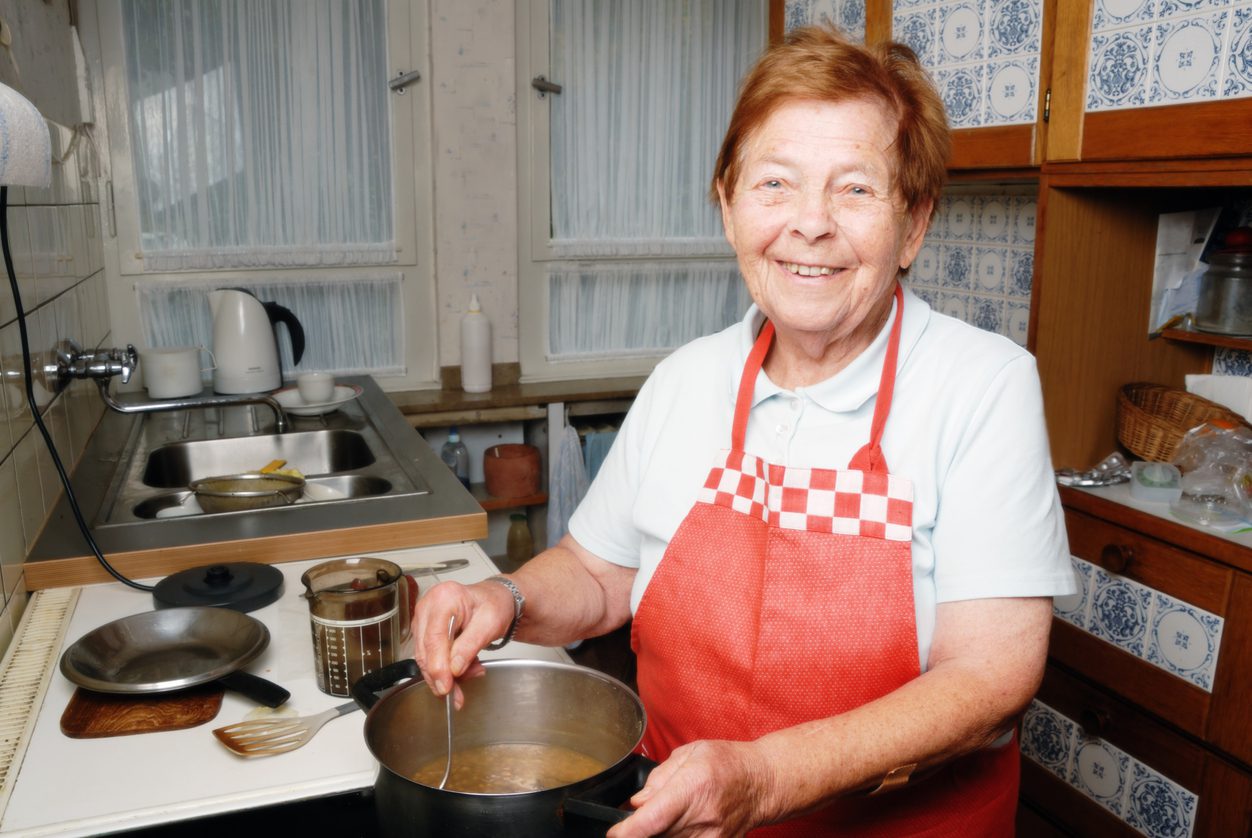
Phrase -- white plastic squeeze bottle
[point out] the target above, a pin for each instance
(475, 349)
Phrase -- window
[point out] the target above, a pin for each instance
(623, 257)
(259, 145)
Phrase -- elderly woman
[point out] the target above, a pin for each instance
(835, 523)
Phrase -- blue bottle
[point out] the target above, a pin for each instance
(456, 457)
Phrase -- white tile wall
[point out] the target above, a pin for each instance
(847, 15)
(58, 258)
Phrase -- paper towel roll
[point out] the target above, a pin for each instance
(25, 146)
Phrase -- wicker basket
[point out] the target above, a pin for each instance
(1152, 419)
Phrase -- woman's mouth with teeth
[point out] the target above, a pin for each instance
(808, 270)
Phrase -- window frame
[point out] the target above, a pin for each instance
(534, 213)
(408, 46)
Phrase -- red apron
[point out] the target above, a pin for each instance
(786, 595)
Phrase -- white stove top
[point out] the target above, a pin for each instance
(71, 786)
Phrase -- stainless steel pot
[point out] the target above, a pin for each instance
(516, 701)
(253, 490)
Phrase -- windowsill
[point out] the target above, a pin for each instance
(415, 403)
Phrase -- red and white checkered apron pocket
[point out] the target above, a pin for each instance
(849, 502)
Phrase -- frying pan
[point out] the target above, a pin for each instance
(170, 649)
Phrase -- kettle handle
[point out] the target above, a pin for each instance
(282, 314)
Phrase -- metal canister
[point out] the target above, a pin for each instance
(1225, 304)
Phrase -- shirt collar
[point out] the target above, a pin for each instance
(856, 383)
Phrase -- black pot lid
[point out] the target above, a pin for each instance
(240, 586)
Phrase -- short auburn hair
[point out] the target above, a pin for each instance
(818, 63)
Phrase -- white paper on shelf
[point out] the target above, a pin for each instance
(1180, 239)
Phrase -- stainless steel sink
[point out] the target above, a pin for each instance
(342, 455)
(311, 452)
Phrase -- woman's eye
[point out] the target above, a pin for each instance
(772, 183)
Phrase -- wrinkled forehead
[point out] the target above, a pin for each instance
(866, 123)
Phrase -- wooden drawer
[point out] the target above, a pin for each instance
(1219, 716)
(1224, 790)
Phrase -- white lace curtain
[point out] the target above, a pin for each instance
(648, 88)
(260, 132)
(641, 265)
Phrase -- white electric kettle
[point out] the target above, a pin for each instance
(245, 343)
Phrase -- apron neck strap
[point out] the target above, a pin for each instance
(747, 382)
(870, 457)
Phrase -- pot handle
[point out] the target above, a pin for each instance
(601, 803)
(369, 687)
(255, 687)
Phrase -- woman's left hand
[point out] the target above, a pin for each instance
(707, 788)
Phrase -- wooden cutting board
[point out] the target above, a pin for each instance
(91, 714)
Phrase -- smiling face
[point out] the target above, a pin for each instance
(821, 230)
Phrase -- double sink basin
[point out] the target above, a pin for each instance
(341, 455)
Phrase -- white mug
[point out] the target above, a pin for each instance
(316, 387)
(174, 372)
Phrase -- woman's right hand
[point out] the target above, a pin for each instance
(482, 612)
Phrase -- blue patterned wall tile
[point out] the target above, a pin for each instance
(1021, 272)
(1186, 59)
(956, 266)
(1119, 69)
(1185, 641)
(1102, 772)
(1232, 362)
(1237, 74)
(1024, 212)
(989, 270)
(962, 92)
(960, 215)
(954, 304)
(986, 313)
(1012, 92)
(1048, 738)
(1157, 806)
(919, 29)
(1112, 13)
(995, 213)
(960, 32)
(1121, 612)
(1013, 28)
(1017, 322)
(925, 268)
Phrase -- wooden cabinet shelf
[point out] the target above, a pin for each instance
(491, 503)
(1208, 339)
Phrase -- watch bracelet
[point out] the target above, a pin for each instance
(519, 603)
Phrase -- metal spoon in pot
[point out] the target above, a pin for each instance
(447, 769)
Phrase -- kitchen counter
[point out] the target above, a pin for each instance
(436, 510)
(66, 786)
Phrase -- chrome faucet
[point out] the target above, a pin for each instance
(103, 364)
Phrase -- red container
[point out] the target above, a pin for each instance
(511, 470)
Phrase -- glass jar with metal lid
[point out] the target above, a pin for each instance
(1225, 304)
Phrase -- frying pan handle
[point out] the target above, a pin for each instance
(255, 688)
(601, 803)
(369, 687)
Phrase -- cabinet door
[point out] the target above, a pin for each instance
(986, 56)
(1151, 79)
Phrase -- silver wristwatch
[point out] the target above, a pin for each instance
(519, 603)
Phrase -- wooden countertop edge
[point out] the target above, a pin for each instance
(1188, 538)
(142, 564)
(516, 395)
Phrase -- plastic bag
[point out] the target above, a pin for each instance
(1216, 464)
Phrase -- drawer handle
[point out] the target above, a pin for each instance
(1116, 557)
(1093, 723)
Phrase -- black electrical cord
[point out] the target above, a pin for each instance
(34, 408)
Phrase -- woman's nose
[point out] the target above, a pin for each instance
(813, 219)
